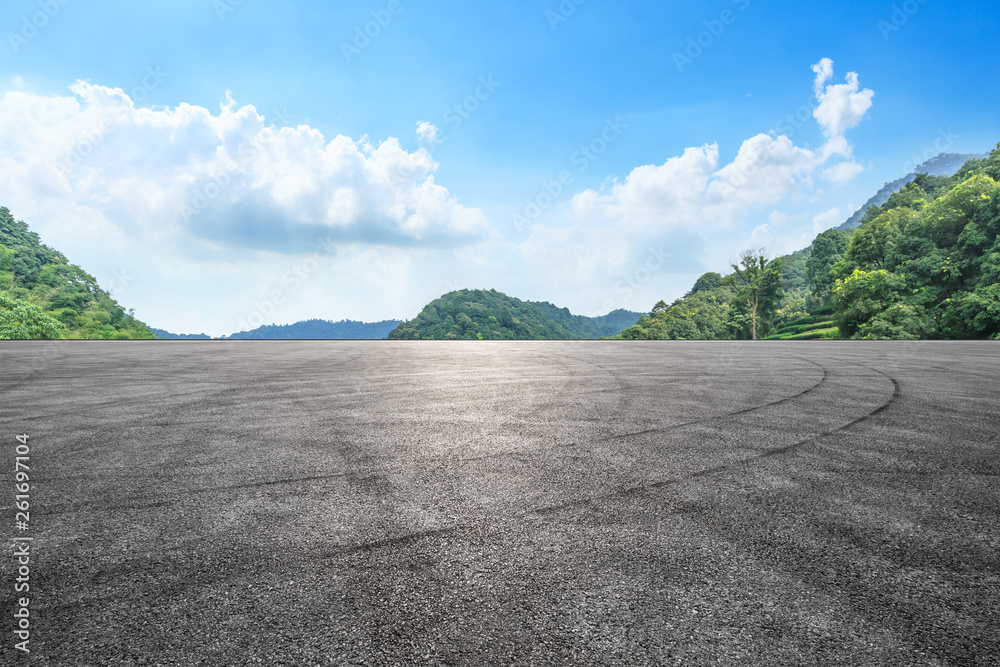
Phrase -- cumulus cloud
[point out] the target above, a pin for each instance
(694, 191)
(697, 201)
(765, 170)
(663, 195)
(841, 106)
(229, 178)
(214, 216)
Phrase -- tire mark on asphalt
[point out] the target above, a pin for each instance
(405, 538)
(409, 538)
(776, 451)
(767, 453)
(671, 427)
(639, 489)
(400, 540)
(230, 487)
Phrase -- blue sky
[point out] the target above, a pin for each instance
(147, 187)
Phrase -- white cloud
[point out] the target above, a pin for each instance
(765, 170)
(229, 178)
(258, 198)
(427, 132)
(841, 106)
(661, 195)
(692, 201)
(824, 72)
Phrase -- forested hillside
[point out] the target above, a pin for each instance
(491, 315)
(945, 164)
(923, 265)
(320, 330)
(42, 295)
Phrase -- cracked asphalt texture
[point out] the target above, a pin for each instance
(534, 503)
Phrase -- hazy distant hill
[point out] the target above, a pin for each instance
(320, 330)
(945, 164)
(166, 335)
(492, 315)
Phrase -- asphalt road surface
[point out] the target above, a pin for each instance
(564, 503)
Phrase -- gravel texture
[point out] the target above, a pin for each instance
(556, 503)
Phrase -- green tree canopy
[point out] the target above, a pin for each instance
(19, 320)
(706, 282)
(757, 283)
(35, 274)
(827, 249)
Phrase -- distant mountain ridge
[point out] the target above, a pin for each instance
(305, 330)
(945, 164)
(492, 315)
(166, 335)
(320, 330)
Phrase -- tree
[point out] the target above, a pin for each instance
(873, 241)
(707, 281)
(22, 321)
(863, 296)
(660, 307)
(974, 314)
(827, 249)
(758, 285)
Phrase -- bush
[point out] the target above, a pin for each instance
(20, 320)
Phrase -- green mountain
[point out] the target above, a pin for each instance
(491, 315)
(42, 295)
(945, 164)
(925, 264)
(320, 330)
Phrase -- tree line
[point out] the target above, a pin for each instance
(924, 265)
